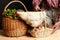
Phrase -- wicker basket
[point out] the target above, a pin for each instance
(13, 27)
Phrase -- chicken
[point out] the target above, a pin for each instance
(34, 18)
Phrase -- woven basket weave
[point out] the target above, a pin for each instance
(13, 27)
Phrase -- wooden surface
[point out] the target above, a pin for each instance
(55, 36)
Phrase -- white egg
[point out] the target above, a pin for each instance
(44, 32)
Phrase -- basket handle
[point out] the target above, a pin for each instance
(13, 2)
